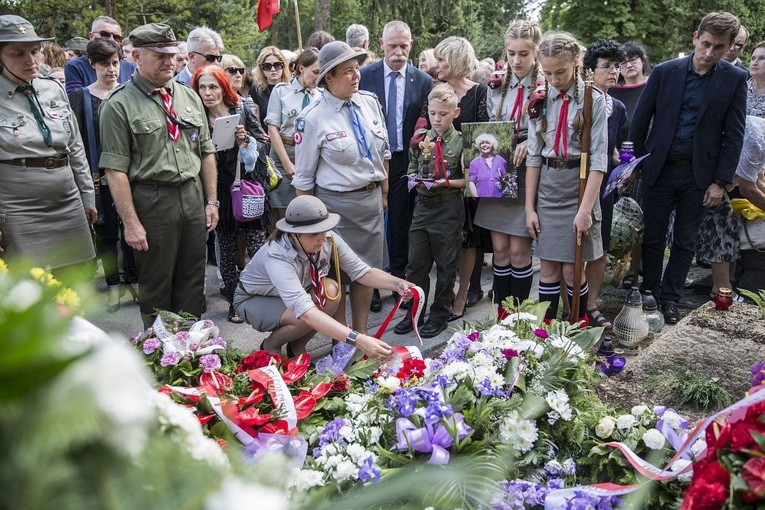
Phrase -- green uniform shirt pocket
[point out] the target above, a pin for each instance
(148, 139)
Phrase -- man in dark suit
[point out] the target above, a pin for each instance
(79, 73)
(690, 118)
(402, 106)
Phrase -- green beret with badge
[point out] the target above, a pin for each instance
(156, 37)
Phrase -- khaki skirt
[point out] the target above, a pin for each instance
(42, 216)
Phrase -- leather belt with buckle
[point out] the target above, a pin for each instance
(561, 164)
(369, 187)
(48, 163)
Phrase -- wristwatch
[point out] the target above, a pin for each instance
(216, 203)
(351, 338)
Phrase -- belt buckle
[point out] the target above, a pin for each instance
(50, 163)
(561, 164)
(370, 187)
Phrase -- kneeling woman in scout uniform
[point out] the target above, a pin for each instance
(46, 190)
(284, 288)
(341, 156)
(553, 216)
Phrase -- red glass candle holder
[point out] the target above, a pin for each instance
(724, 299)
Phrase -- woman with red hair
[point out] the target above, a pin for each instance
(221, 100)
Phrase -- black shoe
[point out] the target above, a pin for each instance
(473, 297)
(405, 326)
(454, 317)
(376, 304)
(431, 329)
(671, 315)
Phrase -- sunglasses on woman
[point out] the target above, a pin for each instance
(268, 66)
(208, 57)
(235, 70)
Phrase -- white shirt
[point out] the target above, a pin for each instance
(400, 84)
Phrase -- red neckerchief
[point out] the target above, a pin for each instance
(561, 131)
(517, 108)
(318, 285)
(438, 161)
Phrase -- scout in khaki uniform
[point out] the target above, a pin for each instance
(436, 231)
(341, 157)
(46, 191)
(160, 163)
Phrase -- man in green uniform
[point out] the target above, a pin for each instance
(160, 164)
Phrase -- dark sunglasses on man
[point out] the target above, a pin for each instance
(268, 66)
(235, 70)
(208, 57)
(105, 34)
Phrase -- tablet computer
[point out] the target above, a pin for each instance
(224, 132)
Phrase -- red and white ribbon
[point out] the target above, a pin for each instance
(418, 303)
(270, 377)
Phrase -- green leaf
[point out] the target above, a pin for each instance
(362, 369)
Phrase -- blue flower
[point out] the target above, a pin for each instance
(368, 472)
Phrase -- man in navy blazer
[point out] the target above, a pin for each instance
(79, 73)
(411, 90)
(690, 119)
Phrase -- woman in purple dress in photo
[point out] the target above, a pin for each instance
(487, 169)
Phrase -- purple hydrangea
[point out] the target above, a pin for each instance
(758, 373)
(209, 362)
(151, 345)
(170, 359)
(569, 467)
(207, 324)
(336, 362)
(456, 350)
(553, 468)
(218, 341)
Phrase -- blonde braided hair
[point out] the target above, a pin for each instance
(557, 44)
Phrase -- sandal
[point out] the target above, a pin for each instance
(629, 281)
(233, 316)
(600, 320)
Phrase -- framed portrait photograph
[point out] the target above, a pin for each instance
(488, 149)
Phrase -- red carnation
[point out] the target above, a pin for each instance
(257, 359)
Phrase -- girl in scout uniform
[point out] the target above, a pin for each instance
(505, 217)
(286, 102)
(553, 215)
(47, 199)
(341, 156)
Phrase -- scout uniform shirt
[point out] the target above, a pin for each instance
(326, 152)
(541, 145)
(509, 110)
(134, 137)
(451, 144)
(20, 135)
(285, 105)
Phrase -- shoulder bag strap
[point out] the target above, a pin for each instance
(87, 111)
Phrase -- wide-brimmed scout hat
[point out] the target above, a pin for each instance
(155, 37)
(335, 53)
(17, 29)
(76, 44)
(307, 214)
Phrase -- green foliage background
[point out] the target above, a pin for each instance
(665, 27)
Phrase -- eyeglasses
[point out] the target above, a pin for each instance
(105, 34)
(630, 61)
(208, 57)
(235, 70)
(738, 46)
(269, 66)
(609, 67)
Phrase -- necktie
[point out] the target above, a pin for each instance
(172, 128)
(318, 285)
(517, 108)
(561, 131)
(306, 99)
(438, 161)
(359, 132)
(29, 91)
(392, 120)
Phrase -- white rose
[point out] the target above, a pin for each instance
(605, 427)
(653, 439)
(625, 421)
(639, 410)
(389, 383)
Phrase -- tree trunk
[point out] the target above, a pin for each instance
(321, 15)
(111, 9)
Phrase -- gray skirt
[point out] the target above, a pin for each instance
(557, 204)
(361, 221)
(263, 313)
(283, 195)
(42, 216)
(505, 215)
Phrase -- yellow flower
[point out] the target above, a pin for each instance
(69, 298)
(37, 273)
(3, 266)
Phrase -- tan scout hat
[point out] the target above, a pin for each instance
(307, 214)
(335, 53)
(17, 29)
